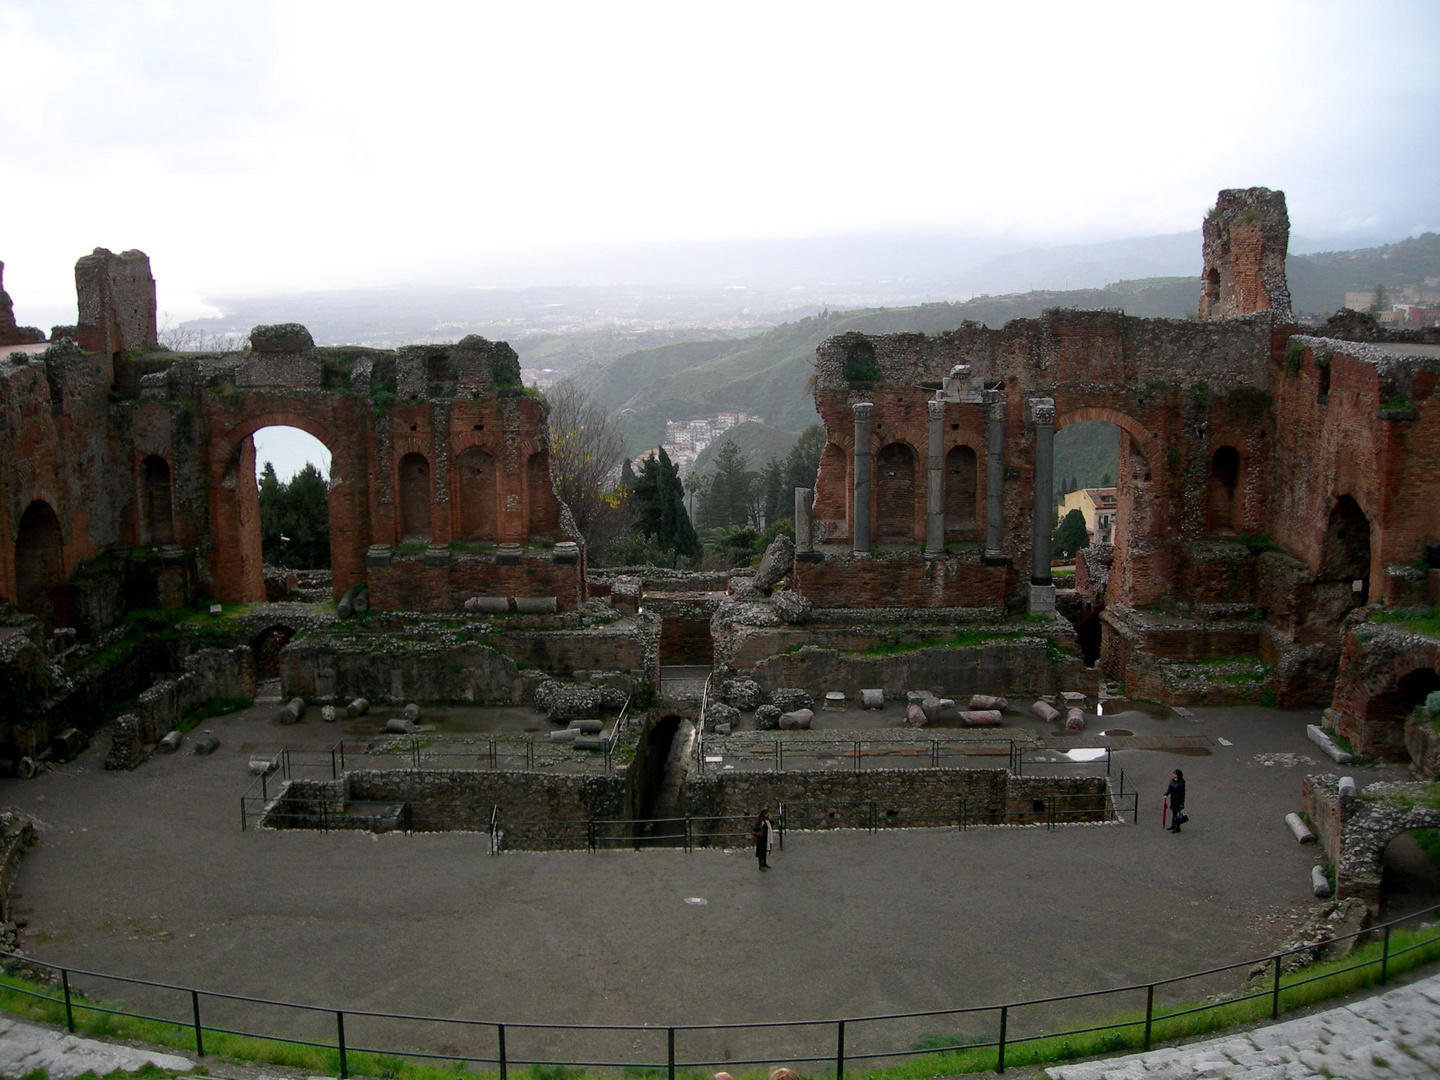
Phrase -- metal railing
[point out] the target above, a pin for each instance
(1000, 1027)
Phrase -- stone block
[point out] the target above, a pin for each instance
(536, 605)
(1045, 711)
(871, 699)
(789, 698)
(987, 702)
(980, 717)
(767, 718)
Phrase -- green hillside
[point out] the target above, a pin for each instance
(1086, 453)
(1319, 282)
(768, 374)
(758, 442)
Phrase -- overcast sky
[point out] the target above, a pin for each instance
(254, 148)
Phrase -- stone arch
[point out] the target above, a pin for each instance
(266, 647)
(413, 485)
(1386, 710)
(1345, 552)
(1222, 491)
(40, 565)
(1369, 827)
(157, 522)
(476, 495)
(235, 511)
(1148, 443)
(1140, 570)
(962, 488)
(895, 492)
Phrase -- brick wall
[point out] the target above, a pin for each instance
(894, 579)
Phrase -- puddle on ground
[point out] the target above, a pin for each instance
(1117, 732)
(1087, 753)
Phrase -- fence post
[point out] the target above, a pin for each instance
(839, 1050)
(689, 840)
(1275, 992)
(340, 1037)
(670, 1051)
(342, 755)
(334, 775)
(1149, 1012)
(1385, 956)
(1000, 1056)
(264, 787)
(590, 833)
(781, 747)
(1122, 783)
(500, 1034)
(195, 1011)
(242, 813)
(69, 1012)
(782, 826)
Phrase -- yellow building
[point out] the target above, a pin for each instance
(1098, 506)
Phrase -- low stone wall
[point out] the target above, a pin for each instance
(209, 674)
(1320, 800)
(888, 579)
(1028, 666)
(443, 800)
(435, 665)
(914, 798)
(17, 833)
(443, 580)
(551, 810)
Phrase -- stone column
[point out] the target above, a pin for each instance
(804, 520)
(1042, 592)
(995, 476)
(935, 481)
(860, 521)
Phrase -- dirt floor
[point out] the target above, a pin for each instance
(148, 874)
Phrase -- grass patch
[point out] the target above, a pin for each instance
(1429, 797)
(959, 641)
(1420, 621)
(214, 707)
(953, 1054)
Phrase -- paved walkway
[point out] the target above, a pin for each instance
(24, 1048)
(1394, 1034)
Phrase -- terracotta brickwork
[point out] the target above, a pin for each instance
(109, 446)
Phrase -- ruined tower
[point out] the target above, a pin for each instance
(1247, 234)
(116, 299)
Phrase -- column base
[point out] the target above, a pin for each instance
(810, 556)
(1042, 599)
(995, 558)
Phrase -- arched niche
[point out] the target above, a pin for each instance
(477, 495)
(157, 509)
(40, 565)
(961, 488)
(1222, 491)
(415, 499)
(895, 492)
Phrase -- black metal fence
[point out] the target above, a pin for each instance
(839, 1043)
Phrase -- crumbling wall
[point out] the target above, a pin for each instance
(1246, 237)
(10, 334)
(115, 296)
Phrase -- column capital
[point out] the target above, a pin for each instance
(862, 410)
(1042, 411)
(935, 410)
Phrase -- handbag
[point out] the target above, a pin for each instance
(1181, 817)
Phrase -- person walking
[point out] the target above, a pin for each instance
(1175, 795)
(761, 832)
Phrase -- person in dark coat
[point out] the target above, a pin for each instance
(761, 832)
(1176, 794)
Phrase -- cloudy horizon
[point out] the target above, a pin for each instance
(259, 148)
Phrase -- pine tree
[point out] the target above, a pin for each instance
(660, 500)
(729, 501)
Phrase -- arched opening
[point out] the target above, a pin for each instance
(1345, 555)
(961, 489)
(1086, 471)
(479, 511)
(40, 566)
(1410, 874)
(158, 517)
(832, 494)
(1221, 490)
(1212, 286)
(895, 493)
(266, 647)
(294, 498)
(414, 499)
(544, 521)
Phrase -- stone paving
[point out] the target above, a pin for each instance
(25, 1048)
(1392, 1034)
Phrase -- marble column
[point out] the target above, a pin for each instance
(1042, 591)
(935, 481)
(804, 521)
(994, 476)
(860, 522)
